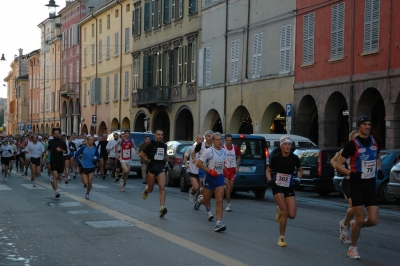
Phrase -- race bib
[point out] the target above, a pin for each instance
(230, 162)
(368, 169)
(159, 154)
(283, 180)
(217, 166)
(126, 154)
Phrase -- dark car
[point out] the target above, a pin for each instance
(251, 175)
(394, 182)
(175, 150)
(389, 158)
(317, 170)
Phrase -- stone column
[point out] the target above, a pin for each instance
(76, 123)
(63, 123)
(68, 123)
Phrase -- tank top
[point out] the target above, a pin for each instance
(230, 161)
(364, 159)
(126, 149)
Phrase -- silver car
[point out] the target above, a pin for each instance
(394, 182)
(175, 150)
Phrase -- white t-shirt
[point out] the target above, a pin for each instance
(215, 159)
(35, 150)
(110, 147)
(192, 167)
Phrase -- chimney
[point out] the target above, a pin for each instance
(91, 9)
(20, 51)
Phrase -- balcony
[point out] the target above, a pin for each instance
(67, 90)
(152, 97)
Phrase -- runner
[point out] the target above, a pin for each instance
(212, 163)
(126, 145)
(191, 167)
(345, 184)
(365, 166)
(102, 147)
(284, 165)
(111, 152)
(143, 163)
(232, 164)
(65, 174)
(6, 156)
(156, 155)
(57, 148)
(72, 147)
(35, 149)
(88, 161)
(15, 151)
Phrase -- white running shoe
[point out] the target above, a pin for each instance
(353, 253)
(228, 208)
(210, 216)
(87, 196)
(343, 230)
(192, 197)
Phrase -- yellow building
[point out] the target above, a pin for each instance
(106, 68)
(165, 45)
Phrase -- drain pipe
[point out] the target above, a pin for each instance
(247, 41)
(226, 59)
(96, 63)
(120, 72)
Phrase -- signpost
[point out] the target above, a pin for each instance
(22, 129)
(288, 118)
(94, 120)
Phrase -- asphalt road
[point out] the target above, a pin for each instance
(120, 228)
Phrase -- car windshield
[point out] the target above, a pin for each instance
(307, 157)
(250, 148)
(182, 148)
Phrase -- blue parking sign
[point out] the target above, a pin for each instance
(289, 110)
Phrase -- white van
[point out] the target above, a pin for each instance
(273, 141)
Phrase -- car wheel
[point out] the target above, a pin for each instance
(322, 192)
(383, 194)
(259, 193)
(182, 184)
(169, 181)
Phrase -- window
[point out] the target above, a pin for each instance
(107, 89)
(71, 72)
(136, 15)
(167, 18)
(56, 99)
(84, 34)
(117, 13)
(284, 63)
(58, 69)
(177, 9)
(93, 30)
(127, 39)
(41, 102)
(156, 13)
(100, 26)
(308, 39)
(136, 67)
(37, 106)
(208, 66)
(126, 88)
(147, 72)
(159, 80)
(147, 16)
(115, 87)
(92, 53)
(65, 73)
(192, 6)
(100, 50)
(77, 70)
(53, 71)
(116, 50)
(128, 8)
(257, 49)
(47, 102)
(337, 31)
(371, 25)
(108, 52)
(84, 56)
(108, 22)
(30, 107)
(189, 58)
(84, 93)
(235, 60)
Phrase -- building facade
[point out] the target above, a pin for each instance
(347, 68)
(34, 91)
(165, 43)
(246, 69)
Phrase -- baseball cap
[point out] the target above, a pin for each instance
(95, 135)
(63, 134)
(363, 119)
(88, 135)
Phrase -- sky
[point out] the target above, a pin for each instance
(18, 27)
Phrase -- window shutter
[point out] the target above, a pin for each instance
(234, 60)
(100, 50)
(159, 9)
(139, 21)
(92, 53)
(185, 60)
(255, 56)
(133, 21)
(108, 47)
(153, 10)
(91, 92)
(127, 38)
(180, 8)
(180, 61)
(77, 71)
(166, 11)
(126, 88)
(84, 93)
(308, 38)
(97, 90)
(107, 89)
(173, 9)
(146, 16)
(193, 66)
(285, 46)
(116, 51)
(371, 25)
(84, 57)
(208, 66)
(337, 35)
(115, 87)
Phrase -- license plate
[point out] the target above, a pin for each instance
(306, 172)
(244, 169)
(136, 162)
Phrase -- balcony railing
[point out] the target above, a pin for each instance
(156, 96)
(67, 90)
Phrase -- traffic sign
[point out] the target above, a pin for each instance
(29, 126)
(94, 120)
(289, 110)
(21, 128)
(288, 117)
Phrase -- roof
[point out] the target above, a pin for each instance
(98, 11)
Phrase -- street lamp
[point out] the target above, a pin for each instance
(2, 59)
(52, 8)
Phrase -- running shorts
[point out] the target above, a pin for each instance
(5, 160)
(156, 169)
(230, 173)
(212, 183)
(35, 161)
(194, 175)
(346, 188)
(286, 191)
(363, 192)
(87, 171)
(57, 166)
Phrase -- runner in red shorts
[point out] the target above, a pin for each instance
(232, 163)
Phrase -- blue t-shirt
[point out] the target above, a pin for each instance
(89, 156)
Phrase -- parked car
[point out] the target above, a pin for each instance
(175, 150)
(389, 158)
(138, 137)
(394, 182)
(251, 175)
(317, 170)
